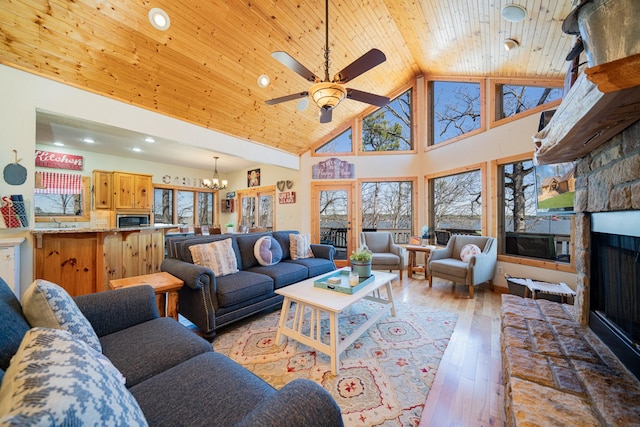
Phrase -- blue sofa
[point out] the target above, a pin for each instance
(174, 375)
(212, 302)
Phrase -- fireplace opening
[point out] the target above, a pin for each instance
(615, 284)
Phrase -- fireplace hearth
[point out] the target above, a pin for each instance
(615, 284)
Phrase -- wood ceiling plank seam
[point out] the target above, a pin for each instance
(556, 50)
(437, 40)
(549, 51)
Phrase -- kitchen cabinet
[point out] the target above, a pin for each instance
(132, 191)
(102, 189)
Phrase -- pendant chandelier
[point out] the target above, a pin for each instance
(215, 183)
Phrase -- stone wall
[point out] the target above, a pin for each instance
(607, 180)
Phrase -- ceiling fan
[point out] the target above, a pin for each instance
(327, 93)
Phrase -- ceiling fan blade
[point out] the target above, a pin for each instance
(286, 98)
(360, 66)
(288, 61)
(367, 97)
(326, 115)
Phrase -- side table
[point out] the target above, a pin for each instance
(413, 267)
(164, 285)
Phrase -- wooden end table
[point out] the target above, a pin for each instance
(413, 250)
(164, 285)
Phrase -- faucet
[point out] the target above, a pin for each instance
(58, 224)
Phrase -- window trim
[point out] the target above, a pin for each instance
(86, 207)
(336, 133)
(196, 190)
(257, 192)
(495, 94)
(497, 228)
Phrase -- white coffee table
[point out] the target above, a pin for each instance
(311, 302)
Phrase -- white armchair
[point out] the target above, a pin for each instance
(447, 264)
(386, 254)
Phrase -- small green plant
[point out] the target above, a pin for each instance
(362, 254)
(229, 224)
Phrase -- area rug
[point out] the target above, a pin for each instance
(385, 375)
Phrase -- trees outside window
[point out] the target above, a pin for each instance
(163, 206)
(456, 109)
(390, 128)
(340, 144)
(388, 205)
(258, 207)
(64, 207)
(516, 99)
(523, 233)
(185, 206)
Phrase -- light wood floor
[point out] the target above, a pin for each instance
(468, 389)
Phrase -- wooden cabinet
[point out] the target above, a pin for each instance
(85, 262)
(102, 189)
(132, 191)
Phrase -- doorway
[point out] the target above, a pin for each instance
(333, 218)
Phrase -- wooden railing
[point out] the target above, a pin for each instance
(338, 236)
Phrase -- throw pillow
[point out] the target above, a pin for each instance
(300, 246)
(267, 251)
(48, 305)
(218, 256)
(468, 251)
(54, 379)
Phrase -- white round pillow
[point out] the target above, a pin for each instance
(468, 251)
(267, 251)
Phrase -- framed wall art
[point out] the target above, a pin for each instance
(253, 178)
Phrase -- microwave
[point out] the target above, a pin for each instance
(132, 220)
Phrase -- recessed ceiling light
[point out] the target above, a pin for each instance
(263, 80)
(89, 140)
(149, 139)
(136, 149)
(159, 19)
(513, 13)
(58, 144)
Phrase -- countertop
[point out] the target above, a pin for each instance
(69, 230)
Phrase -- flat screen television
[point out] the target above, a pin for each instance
(555, 188)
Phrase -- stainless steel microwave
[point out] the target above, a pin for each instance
(132, 220)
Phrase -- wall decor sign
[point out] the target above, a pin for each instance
(333, 168)
(287, 197)
(253, 178)
(49, 159)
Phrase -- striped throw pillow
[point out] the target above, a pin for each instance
(300, 246)
(218, 256)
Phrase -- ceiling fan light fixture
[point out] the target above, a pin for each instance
(327, 94)
(513, 13)
(159, 19)
(263, 80)
(510, 44)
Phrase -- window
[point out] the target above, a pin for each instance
(522, 232)
(515, 99)
(456, 205)
(258, 207)
(456, 109)
(390, 127)
(388, 206)
(183, 205)
(340, 144)
(62, 202)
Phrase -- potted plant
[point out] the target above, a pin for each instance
(361, 261)
(230, 227)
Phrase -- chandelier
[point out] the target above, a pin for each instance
(215, 183)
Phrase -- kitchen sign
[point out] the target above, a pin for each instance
(287, 197)
(49, 159)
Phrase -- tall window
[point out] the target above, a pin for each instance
(456, 109)
(456, 205)
(516, 99)
(163, 206)
(388, 206)
(390, 127)
(258, 207)
(522, 232)
(183, 205)
(340, 144)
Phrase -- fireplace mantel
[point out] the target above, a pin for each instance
(603, 102)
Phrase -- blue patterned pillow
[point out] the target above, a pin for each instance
(267, 251)
(47, 305)
(54, 379)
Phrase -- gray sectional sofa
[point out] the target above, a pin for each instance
(212, 302)
(174, 375)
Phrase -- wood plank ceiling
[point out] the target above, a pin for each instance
(203, 70)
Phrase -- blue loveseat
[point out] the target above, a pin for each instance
(212, 302)
(174, 375)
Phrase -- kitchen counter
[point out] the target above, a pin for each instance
(69, 230)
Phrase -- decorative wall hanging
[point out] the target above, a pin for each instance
(333, 168)
(287, 197)
(253, 178)
(280, 185)
(49, 159)
(15, 173)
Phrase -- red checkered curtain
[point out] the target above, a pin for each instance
(58, 183)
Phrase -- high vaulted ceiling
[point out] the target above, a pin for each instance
(203, 69)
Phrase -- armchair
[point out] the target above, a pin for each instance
(386, 254)
(447, 264)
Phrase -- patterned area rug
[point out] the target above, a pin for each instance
(385, 375)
